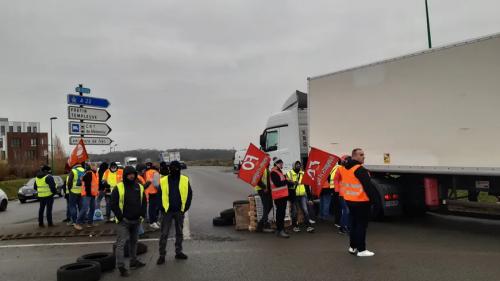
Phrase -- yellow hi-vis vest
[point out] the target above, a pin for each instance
(300, 189)
(43, 188)
(77, 178)
(121, 196)
(183, 190)
(332, 176)
(263, 179)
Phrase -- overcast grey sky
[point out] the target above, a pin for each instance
(203, 74)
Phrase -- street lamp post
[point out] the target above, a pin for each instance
(429, 39)
(52, 143)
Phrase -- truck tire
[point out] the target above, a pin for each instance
(377, 211)
(80, 271)
(141, 249)
(106, 260)
(228, 214)
(3, 205)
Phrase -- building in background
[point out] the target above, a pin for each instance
(22, 144)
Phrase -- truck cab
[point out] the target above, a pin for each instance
(285, 136)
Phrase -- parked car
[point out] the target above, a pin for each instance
(4, 201)
(183, 165)
(28, 192)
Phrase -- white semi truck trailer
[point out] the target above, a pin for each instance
(429, 123)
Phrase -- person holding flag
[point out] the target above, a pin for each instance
(76, 161)
(302, 197)
(267, 202)
(279, 192)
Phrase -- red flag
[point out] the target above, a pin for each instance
(78, 155)
(318, 168)
(253, 165)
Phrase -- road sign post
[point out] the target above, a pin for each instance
(78, 109)
(88, 101)
(86, 128)
(90, 140)
(88, 114)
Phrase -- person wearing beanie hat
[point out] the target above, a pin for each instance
(279, 183)
(128, 203)
(176, 195)
(46, 188)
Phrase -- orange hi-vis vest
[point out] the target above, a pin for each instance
(94, 188)
(350, 187)
(278, 192)
(141, 179)
(149, 177)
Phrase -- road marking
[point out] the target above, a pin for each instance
(79, 243)
(186, 231)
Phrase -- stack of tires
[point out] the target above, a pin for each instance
(226, 218)
(90, 267)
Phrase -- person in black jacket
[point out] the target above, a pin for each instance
(128, 217)
(46, 188)
(176, 196)
(102, 186)
(279, 180)
(359, 210)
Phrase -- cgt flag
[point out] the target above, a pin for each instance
(318, 168)
(253, 165)
(78, 155)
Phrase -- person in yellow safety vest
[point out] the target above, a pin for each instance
(46, 188)
(152, 185)
(301, 195)
(75, 191)
(128, 203)
(176, 195)
(111, 178)
(263, 190)
(357, 189)
(90, 190)
(325, 197)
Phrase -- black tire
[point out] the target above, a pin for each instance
(228, 214)
(141, 249)
(3, 205)
(80, 271)
(106, 260)
(22, 201)
(218, 221)
(241, 202)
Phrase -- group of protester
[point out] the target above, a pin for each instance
(131, 195)
(346, 194)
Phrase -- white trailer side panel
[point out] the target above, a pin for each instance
(439, 108)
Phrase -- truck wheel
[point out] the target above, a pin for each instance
(377, 210)
(3, 205)
(413, 199)
(106, 260)
(22, 201)
(81, 271)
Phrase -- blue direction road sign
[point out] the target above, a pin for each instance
(88, 101)
(82, 90)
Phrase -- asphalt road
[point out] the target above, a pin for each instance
(428, 248)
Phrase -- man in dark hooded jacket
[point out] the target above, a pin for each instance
(128, 203)
(176, 195)
(46, 188)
